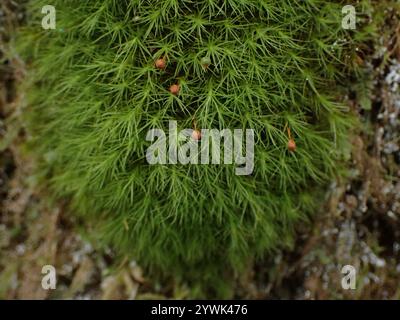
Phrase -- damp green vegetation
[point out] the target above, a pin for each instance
(99, 81)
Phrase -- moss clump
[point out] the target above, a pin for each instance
(98, 86)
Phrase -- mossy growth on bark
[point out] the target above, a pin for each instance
(112, 70)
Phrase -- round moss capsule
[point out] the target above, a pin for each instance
(292, 145)
(196, 135)
(174, 89)
(161, 64)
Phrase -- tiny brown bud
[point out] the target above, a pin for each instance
(291, 145)
(174, 89)
(161, 64)
(196, 135)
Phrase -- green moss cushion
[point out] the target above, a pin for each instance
(102, 79)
